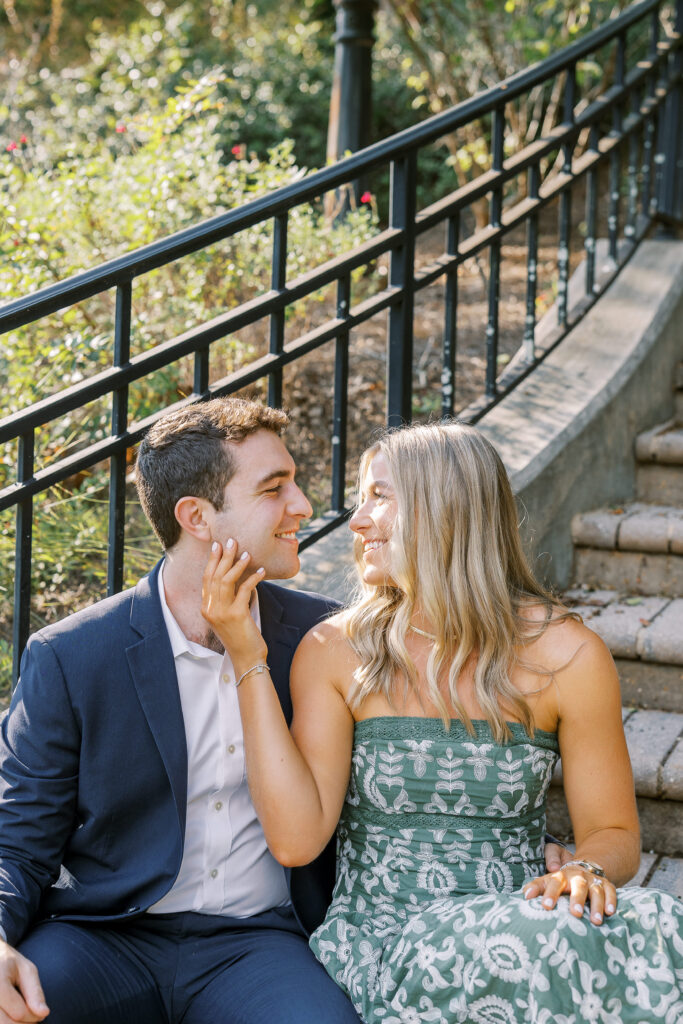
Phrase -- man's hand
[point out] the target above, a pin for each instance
(21, 997)
(556, 856)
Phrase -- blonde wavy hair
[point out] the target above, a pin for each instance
(457, 558)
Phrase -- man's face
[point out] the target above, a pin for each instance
(263, 507)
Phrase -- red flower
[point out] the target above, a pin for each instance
(12, 146)
(23, 140)
(366, 197)
(17, 242)
(120, 128)
(237, 150)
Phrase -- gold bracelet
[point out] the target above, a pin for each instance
(261, 667)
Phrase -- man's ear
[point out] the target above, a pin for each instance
(194, 516)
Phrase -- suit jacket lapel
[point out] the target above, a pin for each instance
(153, 670)
(282, 640)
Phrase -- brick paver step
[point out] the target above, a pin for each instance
(655, 744)
(663, 444)
(660, 872)
(636, 572)
(633, 527)
(633, 626)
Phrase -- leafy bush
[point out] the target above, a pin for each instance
(163, 169)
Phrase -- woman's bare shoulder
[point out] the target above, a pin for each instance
(327, 639)
(325, 653)
(557, 638)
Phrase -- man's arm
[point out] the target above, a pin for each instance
(39, 754)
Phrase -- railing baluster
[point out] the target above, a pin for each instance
(119, 424)
(591, 215)
(529, 341)
(200, 384)
(657, 142)
(632, 175)
(450, 334)
(401, 276)
(341, 380)
(23, 544)
(277, 319)
(496, 210)
(566, 203)
(615, 156)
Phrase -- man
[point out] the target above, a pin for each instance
(135, 881)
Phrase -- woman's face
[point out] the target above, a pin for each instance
(374, 521)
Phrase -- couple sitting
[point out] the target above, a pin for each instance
(142, 878)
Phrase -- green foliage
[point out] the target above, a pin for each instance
(104, 193)
(446, 53)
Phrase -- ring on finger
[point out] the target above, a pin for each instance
(597, 883)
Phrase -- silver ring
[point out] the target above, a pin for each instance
(597, 883)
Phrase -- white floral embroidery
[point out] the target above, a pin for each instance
(428, 924)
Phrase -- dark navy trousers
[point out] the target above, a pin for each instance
(184, 969)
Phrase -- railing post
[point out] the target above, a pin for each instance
(566, 202)
(498, 132)
(277, 320)
(450, 334)
(615, 157)
(529, 341)
(21, 626)
(401, 277)
(119, 423)
(350, 121)
(670, 180)
(341, 380)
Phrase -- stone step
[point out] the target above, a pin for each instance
(660, 872)
(663, 443)
(655, 743)
(660, 483)
(633, 571)
(645, 636)
(634, 547)
(636, 526)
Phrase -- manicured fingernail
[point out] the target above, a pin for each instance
(547, 902)
(245, 555)
(578, 908)
(215, 546)
(597, 918)
(261, 570)
(230, 543)
(610, 908)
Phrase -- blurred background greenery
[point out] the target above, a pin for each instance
(122, 121)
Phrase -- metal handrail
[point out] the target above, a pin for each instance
(638, 101)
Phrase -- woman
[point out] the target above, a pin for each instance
(428, 717)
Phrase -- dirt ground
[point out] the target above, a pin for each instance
(308, 390)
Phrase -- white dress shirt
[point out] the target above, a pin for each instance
(226, 867)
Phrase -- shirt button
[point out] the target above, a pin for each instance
(214, 873)
(226, 677)
(218, 805)
(231, 748)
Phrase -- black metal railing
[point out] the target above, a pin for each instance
(629, 127)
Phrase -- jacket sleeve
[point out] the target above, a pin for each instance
(39, 758)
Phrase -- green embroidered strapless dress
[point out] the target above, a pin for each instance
(438, 833)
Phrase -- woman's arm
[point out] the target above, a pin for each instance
(297, 788)
(598, 782)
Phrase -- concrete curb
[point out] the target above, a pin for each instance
(561, 432)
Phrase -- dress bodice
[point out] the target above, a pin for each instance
(416, 787)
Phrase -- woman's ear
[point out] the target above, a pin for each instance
(194, 516)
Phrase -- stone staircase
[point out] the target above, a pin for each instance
(628, 571)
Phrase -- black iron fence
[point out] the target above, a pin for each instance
(616, 143)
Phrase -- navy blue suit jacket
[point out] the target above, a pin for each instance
(93, 763)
